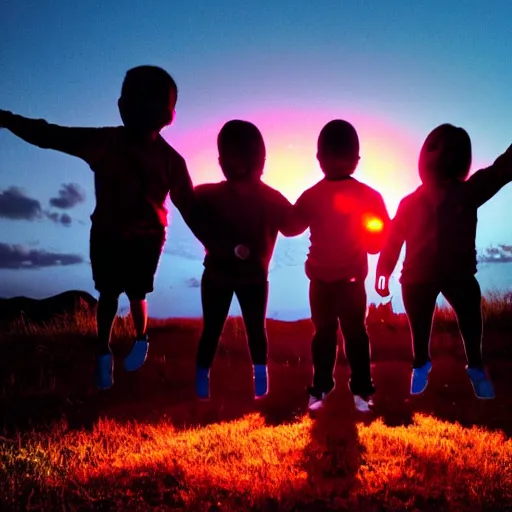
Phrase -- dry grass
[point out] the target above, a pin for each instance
(150, 446)
(496, 308)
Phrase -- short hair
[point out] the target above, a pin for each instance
(338, 138)
(244, 141)
(454, 146)
(148, 82)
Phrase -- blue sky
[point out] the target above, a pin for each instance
(396, 68)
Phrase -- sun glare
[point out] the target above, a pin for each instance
(388, 155)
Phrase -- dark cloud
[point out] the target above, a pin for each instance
(14, 204)
(70, 195)
(193, 283)
(65, 219)
(19, 256)
(60, 218)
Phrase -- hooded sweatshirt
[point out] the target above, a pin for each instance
(438, 222)
(246, 213)
(336, 212)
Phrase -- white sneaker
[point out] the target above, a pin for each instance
(315, 403)
(363, 403)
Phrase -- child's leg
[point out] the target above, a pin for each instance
(465, 298)
(216, 299)
(253, 303)
(352, 315)
(139, 312)
(107, 273)
(105, 316)
(141, 257)
(323, 300)
(419, 303)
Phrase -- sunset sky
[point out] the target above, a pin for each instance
(395, 69)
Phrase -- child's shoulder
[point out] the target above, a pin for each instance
(209, 189)
(363, 190)
(271, 193)
(411, 199)
(170, 150)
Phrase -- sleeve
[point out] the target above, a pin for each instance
(485, 183)
(289, 221)
(376, 224)
(301, 213)
(89, 144)
(207, 227)
(394, 241)
(181, 189)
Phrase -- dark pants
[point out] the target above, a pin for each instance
(464, 297)
(216, 297)
(340, 303)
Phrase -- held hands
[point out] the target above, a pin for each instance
(382, 286)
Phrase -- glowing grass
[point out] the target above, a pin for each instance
(247, 463)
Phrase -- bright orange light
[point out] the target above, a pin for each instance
(374, 224)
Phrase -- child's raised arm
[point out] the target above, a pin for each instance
(391, 251)
(85, 143)
(485, 183)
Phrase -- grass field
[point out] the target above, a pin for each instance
(147, 444)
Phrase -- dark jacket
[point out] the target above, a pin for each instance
(250, 214)
(438, 225)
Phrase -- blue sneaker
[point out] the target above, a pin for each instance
(104, 371)
(482, 386)
(260, 380)
(203, 383)
(137, 356)
(419, 378)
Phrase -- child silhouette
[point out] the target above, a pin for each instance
(134, 171)
(250, 214)
(347, 221)
(437, 223)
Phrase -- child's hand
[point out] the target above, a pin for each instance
(242, 252)
(4, 114)
(382, 286)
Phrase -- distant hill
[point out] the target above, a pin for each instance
(43, 310)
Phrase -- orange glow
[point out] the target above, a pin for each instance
(374, 224)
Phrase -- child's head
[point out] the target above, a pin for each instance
(338, 149)
(148, 98)
(241, 151)
(445, 155)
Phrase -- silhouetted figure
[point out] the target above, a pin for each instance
(347, 220)
(252, 213)
(134, 171)
(437, 223)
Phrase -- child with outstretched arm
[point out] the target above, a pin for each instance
(135, 170)
(438, 224)
(347, 220)
(250, 215)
